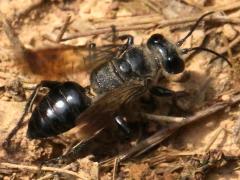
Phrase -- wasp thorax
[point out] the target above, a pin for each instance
(134, 63)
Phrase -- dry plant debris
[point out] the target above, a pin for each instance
(47, 40)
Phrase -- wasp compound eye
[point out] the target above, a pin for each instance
(167, 54)
(173, 64)
(155, 40)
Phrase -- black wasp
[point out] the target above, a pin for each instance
(114, 84)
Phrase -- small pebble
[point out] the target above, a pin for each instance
(229, 32)
(225, 97)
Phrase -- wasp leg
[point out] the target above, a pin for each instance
(123, 125)
(91, 51)
(163, 119)
(76, 152)
(128, 37)
(70, 156)
(161, 91)
(27, 109)
(78, 149)
(124, 47)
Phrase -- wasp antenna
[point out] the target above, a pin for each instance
(187, 50)
(180, 42)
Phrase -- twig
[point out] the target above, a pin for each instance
(51, 175)
(236, 130)
(19, 48)
(233, 43)
(107, 30)
(160, 22)
(229, 50)
(29, 8)
(63, 29)
(225, 7)
(142, 23)
(98, 172)
(115, 168)
(43, 168)
(152, 6)
(147, 22)
(194, 4)
(19, 124)
(61, 33)
(161, 135)
(213, 139)
(144, 19)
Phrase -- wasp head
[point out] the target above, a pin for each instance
(167, 53)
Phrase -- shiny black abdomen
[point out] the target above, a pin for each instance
(58, 110)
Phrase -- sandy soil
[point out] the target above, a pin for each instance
(37, 23)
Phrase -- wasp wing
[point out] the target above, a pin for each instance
(101, 113)
(100, 55)
(54, 61)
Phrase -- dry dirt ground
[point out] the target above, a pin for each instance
(208, 148)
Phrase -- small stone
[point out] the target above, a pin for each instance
(6, 98)
(229, 32)
(225, 97)
(114, 6)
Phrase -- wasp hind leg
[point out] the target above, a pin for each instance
(76, 152)
(27, 109)
(72, 155)
(81, 148)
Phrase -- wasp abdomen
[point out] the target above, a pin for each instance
(58, 110)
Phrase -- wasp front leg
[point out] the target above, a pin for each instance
(164, 92)
(128, 37)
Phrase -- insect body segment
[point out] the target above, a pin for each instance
(134, 64)
(138, 63)
(167, 52)
(58, 110)
(68, 105)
